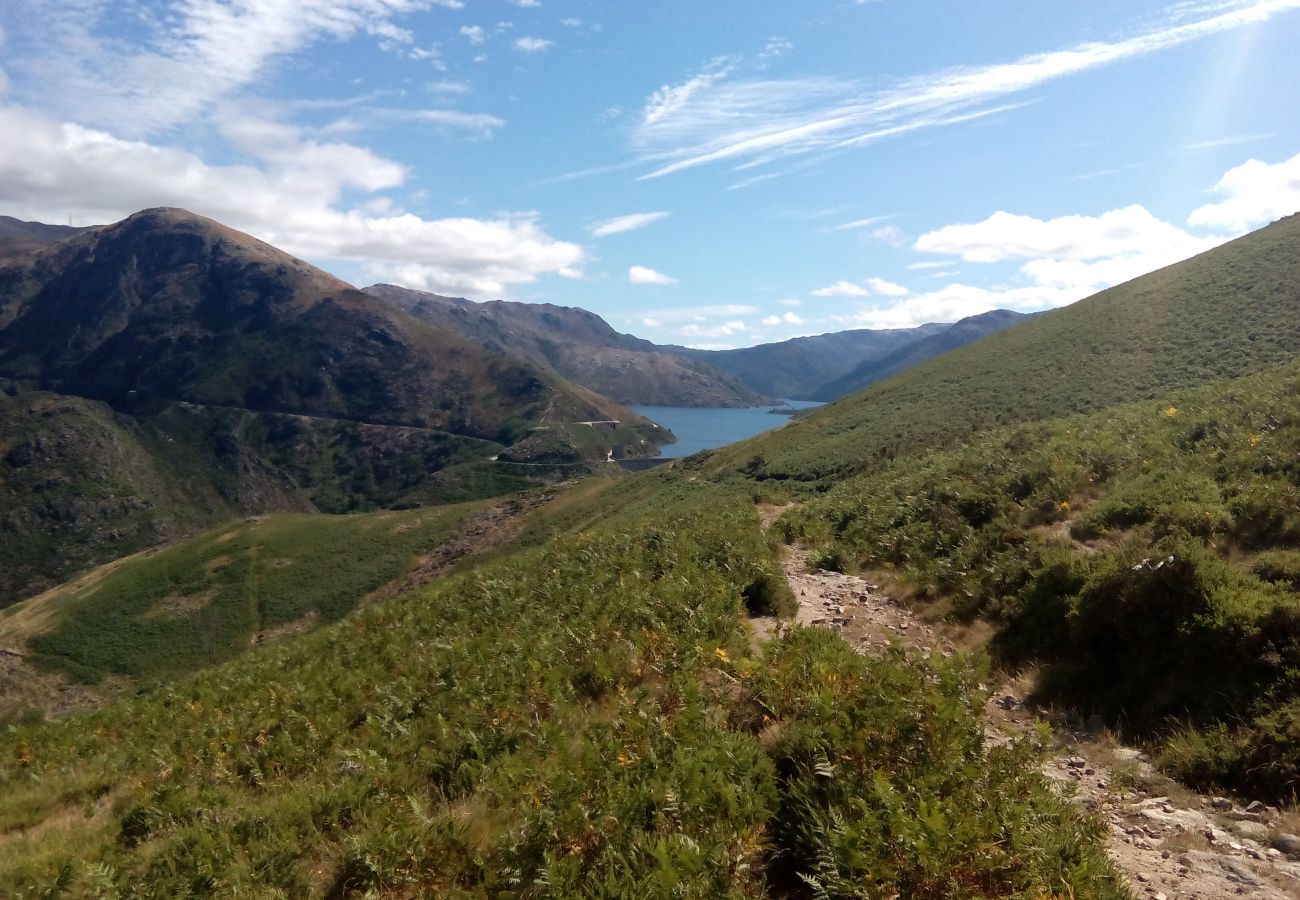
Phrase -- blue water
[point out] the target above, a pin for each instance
(704, 429)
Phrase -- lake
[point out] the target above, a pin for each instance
(704, 429)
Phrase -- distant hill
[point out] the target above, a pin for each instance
(580, 346)
(19, 239)
(934, 343)
(166, 372)
(1230, 311)
(799, 368)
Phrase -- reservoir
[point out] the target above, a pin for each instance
(708, 428)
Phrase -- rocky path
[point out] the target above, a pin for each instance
(1170, 843)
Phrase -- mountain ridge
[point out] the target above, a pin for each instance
(579, 345)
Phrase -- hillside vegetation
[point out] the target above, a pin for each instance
(1147, 557)
(1228, 312)
(211, 597)
(582, 718)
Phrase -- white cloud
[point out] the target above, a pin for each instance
(1067, 258)
(642, 275)
(791, 301)
(1005, 236)
(481, 123)
(725, 329)
(457, 88)
(527, 4)
(949, 304)
(293, 198)
(473, 33)
(752, 121)
(651, 322)
(885, 288)
(891, 235)
(678, 314)
(783, 319)
(533, 44)
(842, 289)
(620, 224)
(1254, 193)
(389, 31)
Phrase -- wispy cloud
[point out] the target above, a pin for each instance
(1228, 141)
(197, 54)
(620, 224)
(714, 117)
(860, 223)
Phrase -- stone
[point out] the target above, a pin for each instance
(1221, 804)
(1255, 831)
(1255, 806)
(1287, 843)
(1076, 762)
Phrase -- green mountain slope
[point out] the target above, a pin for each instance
(578, 345)
(1147, 557)
(959, 334)
(796, 369)
(582, 718)
(207, 599)
(1231, 311)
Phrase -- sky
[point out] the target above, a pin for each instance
(708, 174)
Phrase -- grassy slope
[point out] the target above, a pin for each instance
(582, 716)
(208, 598)
(1228, 312)
(1148, 557)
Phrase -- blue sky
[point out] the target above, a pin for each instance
(697, 173)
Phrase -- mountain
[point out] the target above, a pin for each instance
(167, 306)
(580, 346)
(19, 239)
(932, 344)
(166, 371)
(1227, 312)
(798, 368)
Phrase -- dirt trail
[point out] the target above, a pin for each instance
(1171, 844)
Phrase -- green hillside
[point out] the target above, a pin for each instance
(1228, 312)
(209, 598)
(1146, 557)
(582, 718)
